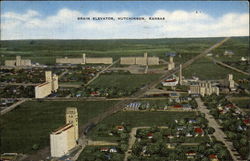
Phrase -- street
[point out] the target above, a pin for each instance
(219, 134)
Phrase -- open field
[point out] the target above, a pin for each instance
(31, 123)
(205, 69)
(123, 81)
(46, 51)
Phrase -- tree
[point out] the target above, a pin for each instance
(124, 147)
(153, 148)
(124, 136)
(136, 149)
(210, 130)
(243, 142)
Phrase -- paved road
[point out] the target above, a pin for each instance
(219, 134)
(12, 107)
(132, 140)
(101, 143)
(98, 74)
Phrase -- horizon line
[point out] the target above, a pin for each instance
(124, 38)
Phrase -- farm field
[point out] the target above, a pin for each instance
(238, 45)
(46, 51)
(206, 69)
(123, 81)
(27, 128)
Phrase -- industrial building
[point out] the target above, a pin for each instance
(19, 62)
(171, 64)
(50, 85)
(145, 60)
(64, 139)
(203, 88)
(85, 60)
(230, 82)
(172, 82)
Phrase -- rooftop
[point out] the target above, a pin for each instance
(62, 129)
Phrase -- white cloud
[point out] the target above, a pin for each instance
(64, 25)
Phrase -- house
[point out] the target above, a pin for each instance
(243, 59)
(177, 106)
(198, 131)
(170, 136)
(120, 128)
(189, 135)
(228, 53)
(209, 54)
(190, 154)
(144, 151)
(95, 93)
(174, 95)
(246, 121)
(170, 146)
(213, 157)
(104, 149)
(185, 99)
(170, 54)
(230, 106)
(187, 107)
(150, 135)
(113, 150)
(192, 121)
(180, 128)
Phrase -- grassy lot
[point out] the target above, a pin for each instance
(136, 119)
(32, 122)
(244, 104)
(93, 153)
(123, 81)
(46, 51)
(205, 69)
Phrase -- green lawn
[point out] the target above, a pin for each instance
(123, 81)
(33, 121)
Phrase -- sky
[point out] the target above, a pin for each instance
(58, 19)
